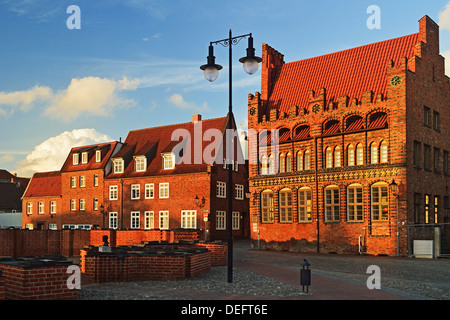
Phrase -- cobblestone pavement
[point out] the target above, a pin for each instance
(274, 275)
(421, 278)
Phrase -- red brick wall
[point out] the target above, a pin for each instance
(2, 288)
(37, 283)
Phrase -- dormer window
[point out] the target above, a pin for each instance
(118, 166)
(75, 159)
(84, 157)
(98, 156)
(168, 161)
(140, 164)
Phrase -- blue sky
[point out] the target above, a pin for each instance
(135, 63)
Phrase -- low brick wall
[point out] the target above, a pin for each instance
(218, 252)
(2, 287)
(165, 262)
(36, 281)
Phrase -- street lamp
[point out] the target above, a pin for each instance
(211, 73)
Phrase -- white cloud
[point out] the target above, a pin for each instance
(23, 100)
(90, 95)
(178, 100)
(446, 55)
(51, 154)
(444, 17)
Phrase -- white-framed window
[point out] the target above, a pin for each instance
(52, 226)
(164, 190)
(221, 189)
(84, 158)
(135, 220)
(140, 164)
(168, 161)
(285, 204)
(380, 201)
(351, 155)
(304, 204)
(354, 202)
(82, 204)
(73, 204)
(118, 165)
(373, 153)
(221, 220)
(82, 181)
(384, 152)
(52, 206)
(95, 180)
(135, 191)
(239, 192)
(29, 226)
(95, 204)
(149, 191)
(29, 207)
(164, 220)
(113, 192)
(41, 207)
(359, 154)
(337, 156)
(98, 156)
(113, 220)
(235, 221)
(267, 206)
(149, 220)
(307, 160)
(189, 219)
(332, 203)
(328, 158)
(75, 159)
(73, 182)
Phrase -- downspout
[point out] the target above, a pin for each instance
(317, 194)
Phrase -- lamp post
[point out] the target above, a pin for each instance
(211, 73)
(394, 189)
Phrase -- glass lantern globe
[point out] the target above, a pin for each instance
(211, 73)
(250, 66)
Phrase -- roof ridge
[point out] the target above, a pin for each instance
(177, 124)
(353, 48)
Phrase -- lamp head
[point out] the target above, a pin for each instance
(211, 69)
(250, 61)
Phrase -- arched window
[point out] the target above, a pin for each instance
(289, 162)
(304, 204)
(337, 156)
(379, 201)
(354, 202)
(271, 164)
(359, 154)
(350, 155)
(264, 165)
(282, 163)
(331, 203)
(300, 161)
(328, 158)
(267, 206)
(307, 163)
(373, 153)
(286, 205)
(383, 152)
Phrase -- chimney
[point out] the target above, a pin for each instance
(196, 118)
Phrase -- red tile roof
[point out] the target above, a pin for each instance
(44, 184)
(152, 142)
(105, 148)
(350, 72)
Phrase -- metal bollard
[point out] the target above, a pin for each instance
(305, 275)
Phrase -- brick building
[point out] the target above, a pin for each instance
(154, 184)
(42, 202)
(329, 135)
(147, 182)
